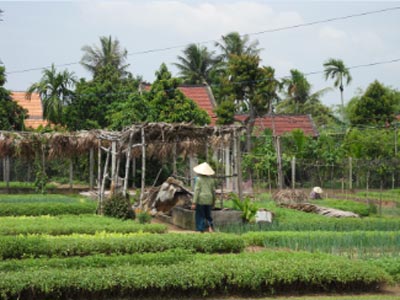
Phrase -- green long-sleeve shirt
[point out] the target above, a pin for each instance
(204, 191)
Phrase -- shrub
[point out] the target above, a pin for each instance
(118, 206)
(144, 217)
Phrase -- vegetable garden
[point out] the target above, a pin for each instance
(78, 254)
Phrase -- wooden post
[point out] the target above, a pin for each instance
(228, 168)
(239, 168)
(128, 158)
(279, 161)
(133, 171)
(113, 162)
(91, 168)
(192, 164)
(7, 167)
(103, 182)
(350, 173)
(174, 170)
(99, 172)
(143, 169)
(293, 172)
(234, 157)
(71, 173)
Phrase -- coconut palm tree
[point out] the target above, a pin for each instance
(235, 44)
(196, 64)
(55, 90)
(336, 69)
(108, 54)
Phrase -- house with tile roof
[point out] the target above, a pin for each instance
(34, 108)
(281, 124)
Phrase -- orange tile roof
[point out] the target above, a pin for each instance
(280, 124)
(34, 107)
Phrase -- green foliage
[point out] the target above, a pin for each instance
(92, 106)
(374, 107)
(55, 90)
(41, 180)
(168, 104)
(390, 264)
(35, 205)
(246, 206)
(252, 273)
(73, 224)
(83, 245)
(196, 64)
(12, 115)
(361, 209)
(144, 217)
(353, 243)
(119, 206)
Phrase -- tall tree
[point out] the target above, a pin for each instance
(109, 53)
(336, 69)
(168, 104)
(235, 44)
(196, 64)
(12, 115)
(299, 99)
(375, 107)
(55, 90)
(94, 100)
(250, 87)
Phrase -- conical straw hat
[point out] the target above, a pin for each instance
(204, 169)
(317, 190)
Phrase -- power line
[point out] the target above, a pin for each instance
(215, 40)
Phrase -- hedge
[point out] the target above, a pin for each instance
(249, 273)
(69, 224)
(37, 209)
(82, 245)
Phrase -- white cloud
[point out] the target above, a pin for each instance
(202, 19)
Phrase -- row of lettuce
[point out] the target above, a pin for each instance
(78, 255)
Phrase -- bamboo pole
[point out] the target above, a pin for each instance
(103, 183)
(143, 181)
(71, 173)
(91, 168)
(99, 171)
(239, 168)
(128, 158)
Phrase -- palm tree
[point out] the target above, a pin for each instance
(336, 69)
(108, 54)
(235, 44)
(196, 64)
(55, 91)
(297, 88)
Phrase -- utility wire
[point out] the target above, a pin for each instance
(216, 40)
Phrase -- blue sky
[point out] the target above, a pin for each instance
(36, 34)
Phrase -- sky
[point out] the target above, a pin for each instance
(35, 34)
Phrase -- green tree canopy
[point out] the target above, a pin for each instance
(94, 100)
(298, 99)
(336, 69)
(196, 64)
(250, 87)
(375, 107)
(55, 90)
(168, 104)
(12, 115)
(109, 54)
(235, 44)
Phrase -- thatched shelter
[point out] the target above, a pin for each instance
(160, 140)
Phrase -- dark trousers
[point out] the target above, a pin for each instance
(203, 213)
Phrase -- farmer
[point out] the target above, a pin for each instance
(204, 196)
(316, 193)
